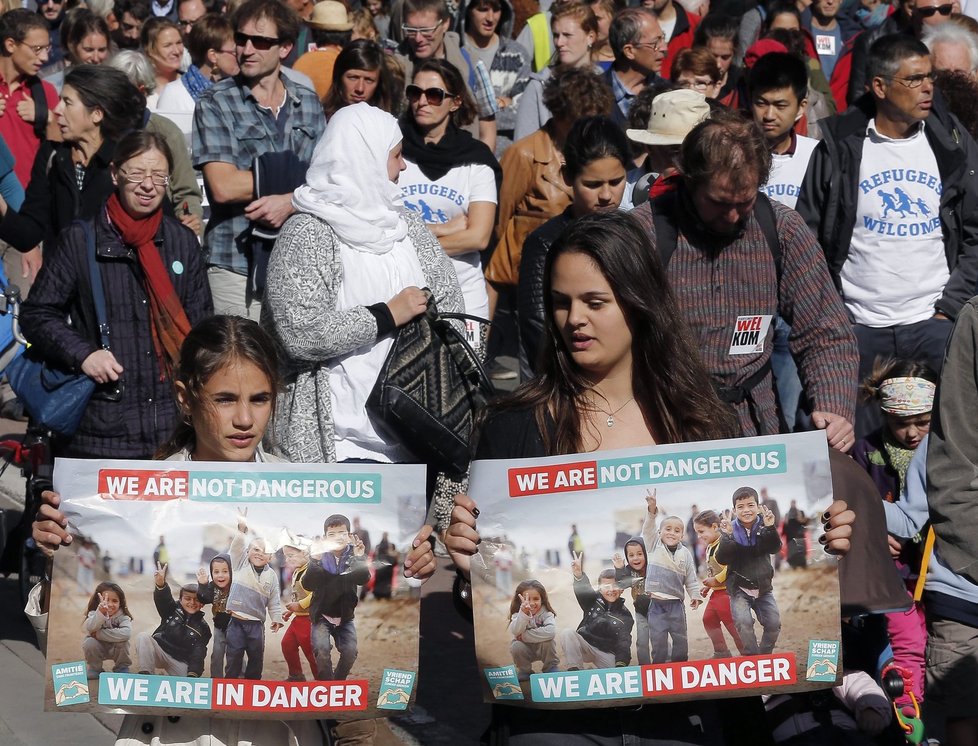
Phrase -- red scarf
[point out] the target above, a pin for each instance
(170, 324)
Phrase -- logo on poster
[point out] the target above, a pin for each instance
(70, 683)
(823, 660)
(395, 689)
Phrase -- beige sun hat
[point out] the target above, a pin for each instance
(330, 15)
(674, 114)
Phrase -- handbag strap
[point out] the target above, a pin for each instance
(98, 291)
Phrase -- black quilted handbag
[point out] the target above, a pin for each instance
(429, 390)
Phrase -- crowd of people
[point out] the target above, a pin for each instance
(687, 219)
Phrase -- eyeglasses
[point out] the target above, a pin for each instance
(232, 52)
(944, 10)
(138, 177)
(49, 2)
(427, 33)
(695, 85)
(655, 45)
(36, 48)
(261, 43)
(435, 96)
(189, 23)
(913, 81)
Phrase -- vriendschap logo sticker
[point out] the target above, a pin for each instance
(823, 660)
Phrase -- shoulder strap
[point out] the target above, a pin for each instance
(40, 108)
(764, 212)
(666, 230)
(98, 291)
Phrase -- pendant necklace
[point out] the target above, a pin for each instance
(611, 415)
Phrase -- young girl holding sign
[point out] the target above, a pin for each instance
(616, 343)
(226, 384)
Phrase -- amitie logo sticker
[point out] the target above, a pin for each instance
(504, 683)
(395, 689)
(823, 660)
(70, 683)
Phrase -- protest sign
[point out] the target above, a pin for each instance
(664, 573)
(238, 590)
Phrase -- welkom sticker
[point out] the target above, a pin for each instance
(823, 660)
(395, 689)
(749, 334)
(70, 683)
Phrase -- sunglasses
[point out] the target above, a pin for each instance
(261, 43)
(434, 96)
(944, 10)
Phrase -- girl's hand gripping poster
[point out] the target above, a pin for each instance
(665, 573)
(238, 590)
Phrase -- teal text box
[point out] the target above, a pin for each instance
(575, 686)
(133, 690)
(722, 463)
(293, 487)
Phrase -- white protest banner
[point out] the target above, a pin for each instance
(664, 573)
(239, 590)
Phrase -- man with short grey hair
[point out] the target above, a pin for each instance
(639, 47)
(952, 48)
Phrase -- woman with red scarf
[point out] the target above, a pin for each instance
(156, 289)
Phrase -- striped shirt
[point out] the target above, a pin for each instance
(716, 282)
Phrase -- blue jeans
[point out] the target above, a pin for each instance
(765, 609)
(245, 637)
(345, 636)
(786, 379)
(668, 619)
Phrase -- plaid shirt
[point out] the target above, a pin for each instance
(230, 127)
(716, 282)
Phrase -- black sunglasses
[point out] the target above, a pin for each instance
(261, 43)
(944, 10)
(435, 96)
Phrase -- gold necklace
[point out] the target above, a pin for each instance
(611, 415)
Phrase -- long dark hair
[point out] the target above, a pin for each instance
(591, 139)
(670, 384)
(362, 54)
(102, 587)
(465, 113)
(211, 345)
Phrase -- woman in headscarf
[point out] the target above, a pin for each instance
(347, 270)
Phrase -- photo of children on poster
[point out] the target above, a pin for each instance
(664, 573)
(237, 589)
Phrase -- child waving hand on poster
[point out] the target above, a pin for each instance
(226, 384)
(616, 343)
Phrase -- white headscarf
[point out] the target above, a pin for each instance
(347, 183)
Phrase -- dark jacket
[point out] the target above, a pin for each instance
(750, 566)
(208, 593)
(335, 595)
(607, 627)
(529, 296)
(133, 424)
(628, 577)
(181, 635)
(829, 194)
(52, 199)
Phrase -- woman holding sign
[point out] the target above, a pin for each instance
(225, 384)
(622, 373)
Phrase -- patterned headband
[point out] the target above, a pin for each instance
(905, 397)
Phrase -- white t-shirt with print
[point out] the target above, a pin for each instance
(440, 201)
(896, 269)
(788, 171)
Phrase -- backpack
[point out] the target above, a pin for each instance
(40, 108)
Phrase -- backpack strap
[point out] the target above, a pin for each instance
(764, 212)
(40, 108)
(666, 230)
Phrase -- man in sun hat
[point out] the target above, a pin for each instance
(331, 27)
(673, 115)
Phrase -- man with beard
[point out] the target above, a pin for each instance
(736, 260)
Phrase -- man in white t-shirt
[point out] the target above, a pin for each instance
(890, 195)
(778, 94)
